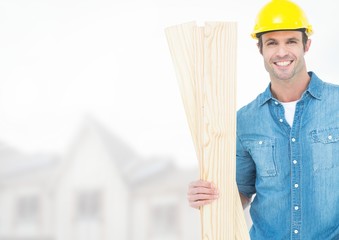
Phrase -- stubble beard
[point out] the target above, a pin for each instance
(280, 75)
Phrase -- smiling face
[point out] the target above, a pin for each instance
(283, 53)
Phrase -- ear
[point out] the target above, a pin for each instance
(308, 45)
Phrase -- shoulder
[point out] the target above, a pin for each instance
(251, 108)
(331, 86)
(330, 91)
(321, 86)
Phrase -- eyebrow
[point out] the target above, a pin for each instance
(289, 39)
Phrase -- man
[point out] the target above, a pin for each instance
(287, 139)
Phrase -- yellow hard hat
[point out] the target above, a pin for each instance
(281, 15)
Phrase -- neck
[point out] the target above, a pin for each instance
(290, 90)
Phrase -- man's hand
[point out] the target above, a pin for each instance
(201, 193)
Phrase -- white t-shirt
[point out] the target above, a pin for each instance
(289, 111)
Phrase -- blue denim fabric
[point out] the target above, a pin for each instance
(293, 171)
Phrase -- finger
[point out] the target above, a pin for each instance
(201, 183)
(199, 204)
(202, 190)
(201, 197)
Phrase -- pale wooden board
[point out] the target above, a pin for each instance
(205, 63)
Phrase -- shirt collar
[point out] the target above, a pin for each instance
(315, 86)
(314, 89)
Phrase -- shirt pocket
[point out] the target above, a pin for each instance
(325, 148)
(262, 151)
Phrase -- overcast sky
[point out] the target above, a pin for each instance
(62, 60)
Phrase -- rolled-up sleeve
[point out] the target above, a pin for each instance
(245, 171)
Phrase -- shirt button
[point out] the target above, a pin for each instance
(293, 139)
(295, 162)
(260, 142)
(281, 120)
(296, 208)
(330, 137)
(276, 103)
(296, 185)
(296, 231)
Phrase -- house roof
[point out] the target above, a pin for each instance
(137, 171)
(16, 165)
(134, 168)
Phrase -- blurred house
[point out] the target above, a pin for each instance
(100, 189)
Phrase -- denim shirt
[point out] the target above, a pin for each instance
(293, 171)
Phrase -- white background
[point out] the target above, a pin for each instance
(62, 60)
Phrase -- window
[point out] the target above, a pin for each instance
(164, 219)
(88, 215)
(89, 205)
(27, 209)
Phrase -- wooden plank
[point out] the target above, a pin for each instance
(205, 63)
(219, 121)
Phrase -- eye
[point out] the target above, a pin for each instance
(292, 42)
(271, 43)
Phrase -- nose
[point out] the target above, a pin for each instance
(282, 51)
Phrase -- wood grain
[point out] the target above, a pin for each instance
(205, 64)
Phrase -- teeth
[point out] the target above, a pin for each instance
(283, 64)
